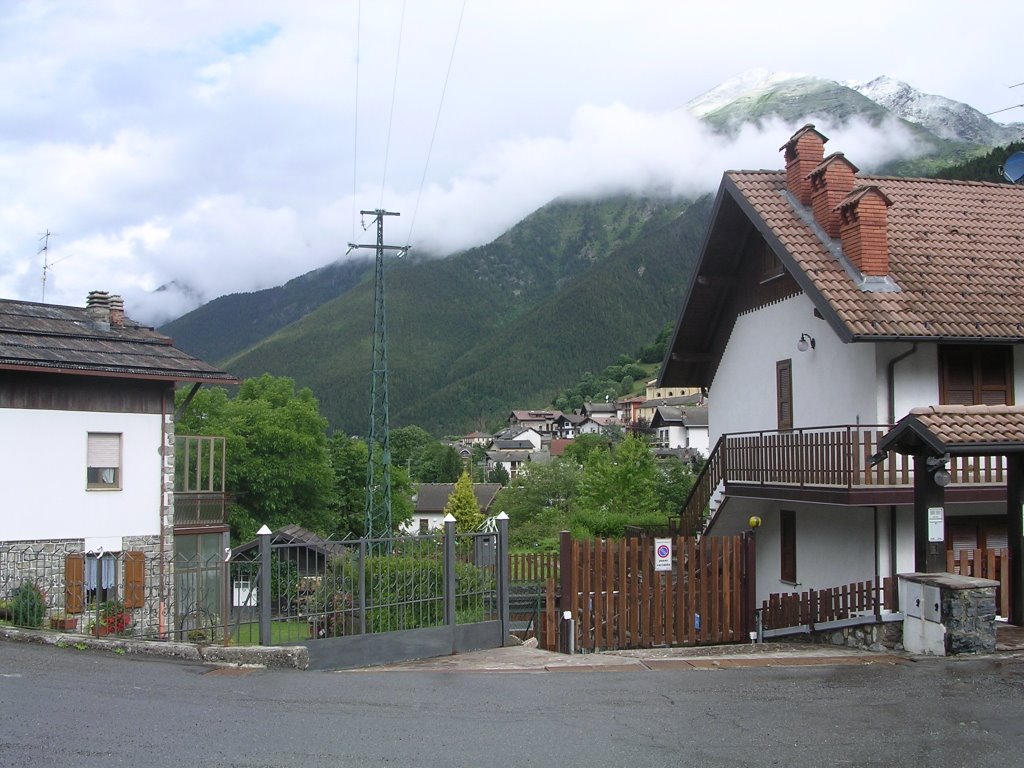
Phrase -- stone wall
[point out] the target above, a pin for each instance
(969, 616)
(880, 637)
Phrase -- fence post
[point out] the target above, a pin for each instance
(503, 576)
(449, 570)
(264, 536)
(362, 586)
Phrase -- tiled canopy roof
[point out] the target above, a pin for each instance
(958, 429)
(956, 252)
(47, 337)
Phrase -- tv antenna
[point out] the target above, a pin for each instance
(47, 264)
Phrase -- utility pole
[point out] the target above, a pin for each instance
(378, 489)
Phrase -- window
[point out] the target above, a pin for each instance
(787, 535)
(424, 525)
(976, 375)
(784, 392)
(103, 470)
(769, 265)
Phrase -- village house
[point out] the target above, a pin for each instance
(826, 307)
(432, 498)
(102, 497)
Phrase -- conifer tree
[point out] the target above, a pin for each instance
(463, 507)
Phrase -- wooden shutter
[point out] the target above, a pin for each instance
(74, 583)
(787, 536)
(784, 390)
(134, 579)
(976, 375)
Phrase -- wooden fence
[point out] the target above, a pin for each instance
(816, 606)
(532, 566)
(986, 564)
(618, 599)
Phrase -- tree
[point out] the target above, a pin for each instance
(406, 442)
(462, 505)
(498, 475)
(436, 463)
(617, 490)
(278, 465)
(539, 501)
(583, 445)
(349, 458)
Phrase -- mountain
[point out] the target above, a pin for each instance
(565, 291)
(499, 326)
(229, 324)
(944, 117)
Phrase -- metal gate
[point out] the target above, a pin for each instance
(374, 601)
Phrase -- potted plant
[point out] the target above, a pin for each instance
(112, 618)
(65, 622)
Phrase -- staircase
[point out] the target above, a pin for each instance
(707, 495)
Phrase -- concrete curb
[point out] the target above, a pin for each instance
(285, 657)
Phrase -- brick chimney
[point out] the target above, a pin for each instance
(116, 312)
(830, 182)
(97, 306)
(864, 229)
(804, 152)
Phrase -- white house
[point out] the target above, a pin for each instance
(432, 498)
(824, 307)
(681, 428)
(87, 405)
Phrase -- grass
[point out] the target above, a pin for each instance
(281, 632)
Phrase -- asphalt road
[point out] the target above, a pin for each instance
(64, 707)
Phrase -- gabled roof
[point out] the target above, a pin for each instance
(969, 430)
(57, 339)
(955, 252)
(433, 497)
(296, 536)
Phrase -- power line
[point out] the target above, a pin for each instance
(355, 119)
(437, 120)
(391, 115)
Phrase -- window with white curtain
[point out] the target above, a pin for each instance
(104, 461)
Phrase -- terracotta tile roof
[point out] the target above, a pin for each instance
(48, 337)
(959, 429)
(956, 250)
(959, 424)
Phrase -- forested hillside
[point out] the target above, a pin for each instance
(501, 326)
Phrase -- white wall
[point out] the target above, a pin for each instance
(43, 474)
(834, 546)
(834, 383)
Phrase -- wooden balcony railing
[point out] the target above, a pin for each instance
(200, 496)
(832, 457)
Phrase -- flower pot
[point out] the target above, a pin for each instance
(64, 623)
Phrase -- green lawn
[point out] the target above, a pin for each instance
(281, 632)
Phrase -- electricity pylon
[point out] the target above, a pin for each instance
(378, 470)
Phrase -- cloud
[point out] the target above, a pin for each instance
(204, 150)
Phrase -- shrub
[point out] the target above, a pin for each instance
(28, 605)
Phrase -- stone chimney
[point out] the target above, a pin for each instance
(97, 307)
(864, 229)
(116, 312)
(804, 152)
(830, 182)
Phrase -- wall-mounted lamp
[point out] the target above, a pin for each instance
(806, 342)
(937, 466)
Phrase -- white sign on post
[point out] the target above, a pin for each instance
(936, 524)
(663, 554)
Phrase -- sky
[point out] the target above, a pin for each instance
(220, 146)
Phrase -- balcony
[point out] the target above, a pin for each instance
(200, 498)
(828, 465)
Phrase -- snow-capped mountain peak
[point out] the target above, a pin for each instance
(747, 83)
(944, 117)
